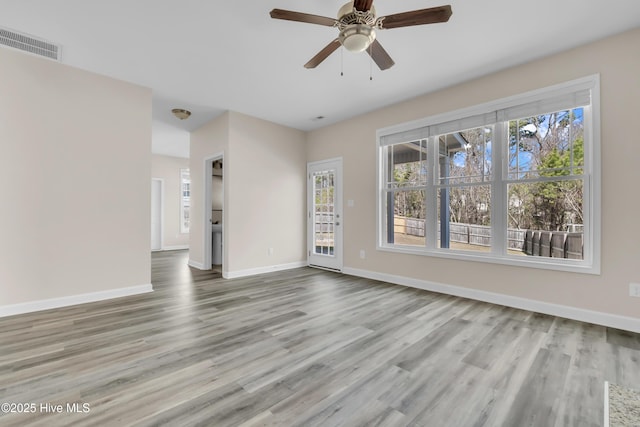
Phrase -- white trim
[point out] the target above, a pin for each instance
(544, 263)
(589, 82)
(48, 304)
(261, 270)
(591, 264)
(320, 267)
(599, 318)
(198, 265)
(175, 248)
(595, 166)
(335, 261)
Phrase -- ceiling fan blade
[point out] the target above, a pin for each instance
(362, 5)
(380, 56)
(432, 15)
(302, 17)
(323, 54)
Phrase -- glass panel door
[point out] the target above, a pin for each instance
(325, 235)
(323, 210)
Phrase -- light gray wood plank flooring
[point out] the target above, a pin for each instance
(306, 347)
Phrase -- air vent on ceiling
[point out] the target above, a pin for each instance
(30, 44)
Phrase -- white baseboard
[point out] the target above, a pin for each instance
(262, 270)
(599, 318)
(195, 264)
(175, 248)
(47, 304)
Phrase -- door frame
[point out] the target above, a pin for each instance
(161, 201)
(208, 173)
(334, 163)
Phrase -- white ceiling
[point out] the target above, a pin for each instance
(210, 56)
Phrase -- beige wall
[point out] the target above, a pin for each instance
(264, 192)
(75, 212)
(618, 63)
(267, 194)
(75, 181)
(168, 168)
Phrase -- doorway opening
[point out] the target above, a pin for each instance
(214, 214)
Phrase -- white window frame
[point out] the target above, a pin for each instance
(184, 201)
(498, 113)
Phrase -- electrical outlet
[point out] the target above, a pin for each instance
(634, 289)
(362, 254)
(270, 251)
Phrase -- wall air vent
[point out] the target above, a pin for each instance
(30, 44)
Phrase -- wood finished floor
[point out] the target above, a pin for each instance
(307, 348)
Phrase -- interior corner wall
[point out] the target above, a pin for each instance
(168, 168)
(265, 181)
(619, 69)
(264, 193)
(75, 168)
(208, 140)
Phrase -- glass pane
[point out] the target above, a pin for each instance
(323, 208)
(547, 145)
(465, 156)
(185, 200)
(406, 163)
(552, 212)
(464, 218)
(406, 218)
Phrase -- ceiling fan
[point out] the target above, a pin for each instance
(357, 22)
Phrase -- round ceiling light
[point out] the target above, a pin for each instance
(180, 113)
(357, 37)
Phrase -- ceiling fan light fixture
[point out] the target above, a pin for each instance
(181, 113)
(357, 23)
(357, 37)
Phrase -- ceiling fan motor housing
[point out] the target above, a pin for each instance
(356, 28)
(348, 15)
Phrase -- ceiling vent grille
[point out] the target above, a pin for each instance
(30, 44)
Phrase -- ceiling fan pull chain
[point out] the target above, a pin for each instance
(370, 63)
(342, 61)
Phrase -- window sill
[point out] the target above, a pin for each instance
(542, 263)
